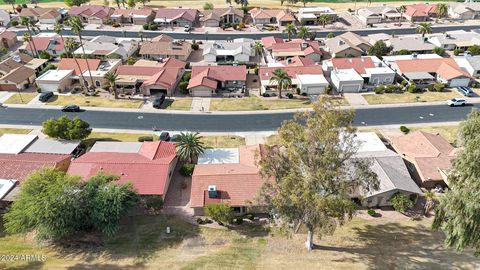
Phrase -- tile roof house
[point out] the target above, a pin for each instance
(309, 79)
(420, 12)
(279, 17)
(426, 71)
(47, 42)
(227, 175)
(103, 46)
(148, 166)
(392, 174)
(207, 80)
(18, 79)
(281, 50)
(372, 71)
(429, 157)
(161, 78)
(165, 47)
(347, 45)
(378, 14)
(221, 16)
(310, 15)
(92, 14)
(176, 16)
(20, 59)
(138, 16)
(8, 39)
(238, 50)
(42, 15)
(469, 63)
(464, 11)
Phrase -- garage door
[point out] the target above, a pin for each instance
(314, 90)
(202, 93)
(350, 88)
(48, 87)
(459, 82)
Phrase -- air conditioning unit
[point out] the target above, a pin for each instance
(212, 191)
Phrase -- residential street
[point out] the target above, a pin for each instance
(232, 122)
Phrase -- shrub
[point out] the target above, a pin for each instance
(241, 25)
(249, 216)
(153, 201)
(183, 87)
(208, 6)
(239, 221)
(404, 129)
(200, 221)
(390, 88)
(195, 46)
(15, 23)
(186, 76)
(289, 95)
(439, 87)
(266, 95)
(146, 26)
(413, 89)
(456, 52)
(221, 213)
(371, 212)
(439, 51)
(152, 27)
(400, 202)
(116, 25)
(380, 89)
(255, 70)
(145, 138)
(404, 83)
(187, 169)
(44, 55)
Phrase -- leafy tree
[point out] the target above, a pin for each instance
(66, 128)
(183, 87)
(474, 50)
(439, 87)
(76, 26)
(281, 78)
(424, 28)
(11, 2)
(242, 3)
(404, 52)
(208, 6)
(219, 212)
(72, 3)
(330, 35)
(55, 205)
(111, 78)
(439, 51)
(457, 213)
(258, 47)
(291, 30)
(442, 10)
(313, 170)
(189, 146)
(402, 10)
(131, 3)
(379, 49)
(304, 33)
(400, 202)
(324, 19)
(44, 55)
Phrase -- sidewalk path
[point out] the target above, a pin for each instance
(5, 95)
(255, 139)
(355, 99)
(200, 104)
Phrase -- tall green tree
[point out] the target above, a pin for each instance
(281, 79)
(442, 10)
(379, 49)
(324, 19)
(112, 78)
(66, 128)
(474, 49)
(25, 21)
(76, 26)
(131, 3)
(189, 146)
(242, 3)
(70, 46)
(77, 3)
(291, 30)
(304, 33)
(313, 170)
(402, 10)
(424, 28)
(258, 47)
(458, 211)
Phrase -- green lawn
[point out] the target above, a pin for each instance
(142, 243)
(14, 131)
(20, 98)
(409, 97)
(95, 102)
(223, 141)
(180, 104)
(254, 103)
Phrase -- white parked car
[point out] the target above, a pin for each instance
(187, 28)
(456, 102)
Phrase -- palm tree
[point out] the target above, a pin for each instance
(304, 33)
(189, 146)
(27, 38)
(281, 78)
(442, 10)
(424, 28)
(291, 29)
(402, 10)
(25, 21)
(77, 27)
(111, 78)
(430, 199)
(118, 3)
(70, 47)
(324, 19)
(258, 47)
(242, 3)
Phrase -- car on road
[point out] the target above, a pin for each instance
(71, 108)
(456, 102)
(158, 101)
(45, 96)
(164, 136)
(466, 91)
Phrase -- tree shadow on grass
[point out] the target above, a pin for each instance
(252, 230)
(33, 265)
(396, 246)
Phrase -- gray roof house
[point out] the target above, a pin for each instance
(239, 50)
(458, 39)
(464, 11)
(378, 14)
(469, 63)
(412, 43)
(347, 45)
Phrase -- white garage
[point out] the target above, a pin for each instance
(347, 80)
(201, 91)
(55, 80)
(459, 82)
(312, 84)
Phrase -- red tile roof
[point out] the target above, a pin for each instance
(447, 68)
(237, 184)
(297, 45)
(209, 75)
(298, 61)
(148, 170)
(359, 63)
(45, 43)
(130, 12)
(269, 41)
(19, 166)
(177, 13)
(421, 10)
(69, 63)
(266, 73)
(91, 11)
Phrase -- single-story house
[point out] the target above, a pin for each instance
(451, 40)
(412, 43)
(42, 15)
(469, 63)
(420, 12)
(281, 50)
(378, 14)
(277, 17)
(464, 11)
(55, 81)
(207, 80)
(392, 174)
(347, 80)
(18, 79)
(108, 46)
(230, 176)
(148, 166)
(429, 157)
(50, 43)
(20, 59)
(221, 16)
(309, 79)
(92, 14)
(8, 39)
(239, 50)
(4, 17)
(139, 16)
(164, 46)
(347, 45)
(310, 15)
(95, 67)
(178, 17)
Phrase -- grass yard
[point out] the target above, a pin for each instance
(14, 131)
(409, 97)
(110, 136)
(223, 141)
(181, 104)
(95, 102)
(142, 243)
(450, 133)
(23, 98)
(254, 103)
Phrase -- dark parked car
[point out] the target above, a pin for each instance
(164, 136)
(174, 137)
(71, 108)
(158, 101)
(45, 96)
(466, 91)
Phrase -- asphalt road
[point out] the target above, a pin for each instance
(231, 122)
(222, 36)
